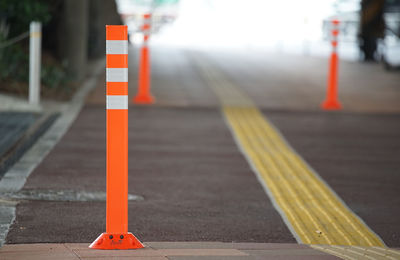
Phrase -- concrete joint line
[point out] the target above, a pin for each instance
(16, 176)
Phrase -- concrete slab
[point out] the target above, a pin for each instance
(168, 250)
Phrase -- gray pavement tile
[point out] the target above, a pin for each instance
(144, 252)
(223, 245)
(201, 252)
(37, 254)
(43, 247)
(212, 258)
(39, 257)
(125, 258)
(272, 257)
(191, 245)
(297, 257)
(72, 246)
(284, 252)
(268, 246)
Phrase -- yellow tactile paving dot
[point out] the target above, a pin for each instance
(313, 212)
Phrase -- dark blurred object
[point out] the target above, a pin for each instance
(15, 19)
(19, 14)
(81, 33)
(389, 46)
(101, 12)
(73, 33)
(372, 27)
(73, 37)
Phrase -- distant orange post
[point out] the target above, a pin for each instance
(144, 96)
(117, 235)
(331, 102)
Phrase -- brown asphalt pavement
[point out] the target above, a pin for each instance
(358, 156)
(196, 184)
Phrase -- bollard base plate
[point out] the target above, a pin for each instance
(144, 99)
(331, 105)
(109, 241)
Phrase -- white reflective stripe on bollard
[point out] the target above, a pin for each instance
(117, 74)
(116, 47)
(117, 102)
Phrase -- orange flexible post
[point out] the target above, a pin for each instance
(331, 102)
(117, 235)
(144, 96)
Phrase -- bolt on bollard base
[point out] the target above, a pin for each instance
(116, 241)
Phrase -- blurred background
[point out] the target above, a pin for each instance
(73, 32)
(279, 56)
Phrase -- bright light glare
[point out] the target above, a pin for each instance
(250, 23)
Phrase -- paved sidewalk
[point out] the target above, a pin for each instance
(196, 184)
(193, 180)
(166, 250)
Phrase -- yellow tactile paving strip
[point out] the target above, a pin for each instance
(310, 208)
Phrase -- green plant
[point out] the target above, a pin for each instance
(14, 63)
(14, 60)
(20, 13)
(16, 17)
(53, 77)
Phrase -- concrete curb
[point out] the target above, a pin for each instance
(33, 133)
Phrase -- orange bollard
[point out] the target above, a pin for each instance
(331, 102)
(117, 235)
(144, 96)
